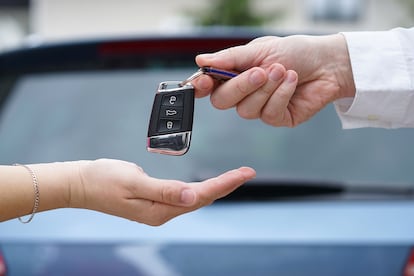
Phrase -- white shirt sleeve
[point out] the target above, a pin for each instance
(383, 69)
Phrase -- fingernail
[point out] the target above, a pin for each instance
(291, 76)
(256, 78)
(276, 74)
(248, 172)
(187, 196)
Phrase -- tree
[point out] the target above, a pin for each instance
(232, 13)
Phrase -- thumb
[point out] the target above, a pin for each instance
(238, 58)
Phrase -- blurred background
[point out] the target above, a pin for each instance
(306, 207)
(40, 20)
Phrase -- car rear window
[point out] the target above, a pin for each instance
(92, 114)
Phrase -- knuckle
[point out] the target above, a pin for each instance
(217, 102)
(270, 118)
(285, 93)
(242, 88)
(271, 122)
(170, 193)
(245, 113)
(267, 90)
(165, 194)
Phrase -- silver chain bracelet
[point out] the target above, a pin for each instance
(36, 194)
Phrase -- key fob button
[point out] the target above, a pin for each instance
(167, 125)
(172, 100)
(171, 112)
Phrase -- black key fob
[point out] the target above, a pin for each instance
(171, 121)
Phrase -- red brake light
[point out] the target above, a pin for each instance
(159, 46)
(409, 266)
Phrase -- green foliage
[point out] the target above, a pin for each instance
(231, 13)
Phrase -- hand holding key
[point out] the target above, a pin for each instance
(284, 81)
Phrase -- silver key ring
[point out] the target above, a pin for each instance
(214, 72)
(192, 77)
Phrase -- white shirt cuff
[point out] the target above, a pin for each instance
(384, 89)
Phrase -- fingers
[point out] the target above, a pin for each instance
(170, 192)
(250, 91)
(257, 93)
(220, 186)
(123, 189)
(176, 198)
(276, 112)
(203, 86)
(178, 193)
(251, 107)
(230, 93)
(237, 58)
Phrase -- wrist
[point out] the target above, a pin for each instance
(343, 68)
(75, 191)
(54, 181)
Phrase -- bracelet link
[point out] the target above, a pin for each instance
(36, 193)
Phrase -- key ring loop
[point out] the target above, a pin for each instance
(214, 72)
(192, 77)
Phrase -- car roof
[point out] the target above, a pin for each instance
(118, 52)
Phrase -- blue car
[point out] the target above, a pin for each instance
(325, 201)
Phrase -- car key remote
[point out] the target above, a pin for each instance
(171, 121)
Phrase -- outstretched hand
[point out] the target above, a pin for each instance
(123, 189)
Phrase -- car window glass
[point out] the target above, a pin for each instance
(88, 115)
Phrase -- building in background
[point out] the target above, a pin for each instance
(69, 19)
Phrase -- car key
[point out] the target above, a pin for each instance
(171, 121)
